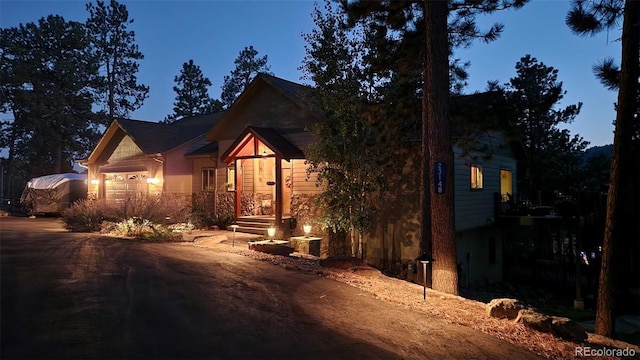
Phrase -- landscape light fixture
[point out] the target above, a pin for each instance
(272, 232)
(307, 230)
(233, 242)
(424, 259)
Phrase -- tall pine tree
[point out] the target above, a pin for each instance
(588, 18)
(533, 95)
(398, 30)
(114, 45)
(192, 93)
(46, 69)
(248, 65)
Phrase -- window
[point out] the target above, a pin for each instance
(476, 177)
(506, 183)
(208, 179)
(231, 177)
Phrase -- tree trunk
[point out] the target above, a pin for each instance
(622, 145)
(438, 159)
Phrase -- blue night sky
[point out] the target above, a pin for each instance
(212, 33)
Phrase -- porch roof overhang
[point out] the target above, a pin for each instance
(247, 144)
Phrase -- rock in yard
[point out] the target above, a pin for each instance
(568, 329)
(504, 308)
(532, 319)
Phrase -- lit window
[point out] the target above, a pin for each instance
(476, 177)
(231, 178)
(208, 179)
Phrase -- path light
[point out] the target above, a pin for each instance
(272, 232)
(307, 230)
(233, 242)
(424, 259)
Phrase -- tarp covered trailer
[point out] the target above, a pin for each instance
(51, 194)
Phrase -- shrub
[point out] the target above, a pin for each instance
(83, 215)
(155, 208)
(141, 229)
(201, 219)
(223, 221)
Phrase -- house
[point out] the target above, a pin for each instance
(251, 160)
(140, 156)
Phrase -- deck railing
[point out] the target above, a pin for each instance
(542, 205)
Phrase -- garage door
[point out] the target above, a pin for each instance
(120, 185)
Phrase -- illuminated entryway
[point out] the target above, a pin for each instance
(262, 163)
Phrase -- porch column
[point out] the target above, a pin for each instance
(237, 164)
(278, 192)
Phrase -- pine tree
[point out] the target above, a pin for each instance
(398, 28)
(437, 154)
(45, 70)
(588, 18)
(248, 65)
(118, 54)
(533, 95)
(192, 97)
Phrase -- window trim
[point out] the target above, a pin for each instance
(211, 177)
(476, 183)
(231, 177)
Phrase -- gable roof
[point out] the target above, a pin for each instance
(269, 137)
(295, 92)
(159, 137)
(154, 137)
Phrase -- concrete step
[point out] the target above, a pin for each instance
(252, 230)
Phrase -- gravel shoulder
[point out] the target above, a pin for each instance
(452, 309)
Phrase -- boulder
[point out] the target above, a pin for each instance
(534, 320)
(504, 308)
(568, 329)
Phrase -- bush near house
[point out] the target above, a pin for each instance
(141, 215)
(84, 215)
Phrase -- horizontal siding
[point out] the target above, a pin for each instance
(475, 208)
(198, 165)
(301, 184)
(221, 177)
(178, 176)
(247, 175)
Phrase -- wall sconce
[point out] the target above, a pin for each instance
(153, 181)
(95, 182)
(271, 231)
(307, 230)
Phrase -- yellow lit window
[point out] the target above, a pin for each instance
(476, 177)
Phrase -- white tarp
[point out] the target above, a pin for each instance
(52, 181)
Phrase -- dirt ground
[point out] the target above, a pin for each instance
(84, 296)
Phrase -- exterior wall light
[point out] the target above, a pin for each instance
(153, 181)
(95, 182)
(307, 230)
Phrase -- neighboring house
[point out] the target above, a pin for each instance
(251, 158)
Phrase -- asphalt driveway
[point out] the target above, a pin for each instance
(83, 296)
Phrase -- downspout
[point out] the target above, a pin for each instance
(83, 164)
(158, 157)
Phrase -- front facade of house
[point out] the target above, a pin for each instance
(249, 161)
